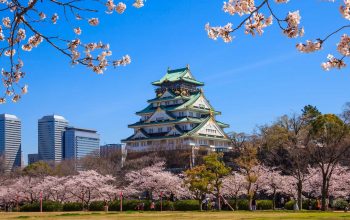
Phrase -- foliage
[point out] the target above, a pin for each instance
(72, 206)
(166, 205)
(38, 169)
(97, 206)
(289, 205)
(340, 204)
(197, 181)
(186, 205)
(114, 206)
(264, 204)
(216, 171)
(48, 206)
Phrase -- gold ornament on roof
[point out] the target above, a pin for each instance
(211, 113)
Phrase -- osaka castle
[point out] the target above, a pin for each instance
(178, 118)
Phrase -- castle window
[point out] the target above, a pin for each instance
(160, 130)
(151, 130)
(160, 119)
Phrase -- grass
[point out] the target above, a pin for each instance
(224, 215)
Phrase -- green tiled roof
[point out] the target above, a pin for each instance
(167, 99)
(177, 75)
(193, 131)
(223, 125)
(179, 120)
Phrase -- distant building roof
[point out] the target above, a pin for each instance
(53, 117)
(81, 129)
(8, 116)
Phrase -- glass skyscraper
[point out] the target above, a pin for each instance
(10, 141)
(80, 142)
(50, 137)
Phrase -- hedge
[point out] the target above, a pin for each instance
(97, 206)
(131, 205)
(48, 206)
(73, 206)
(186, 205)
(340, 204)
(166, 205)
(264, 204)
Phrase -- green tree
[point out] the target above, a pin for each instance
(216, 171)
(284, 146)
(328, 135)
(247, 161)
(310, 113)
(198, 182)
(39, 169)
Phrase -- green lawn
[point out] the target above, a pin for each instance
(178, 215)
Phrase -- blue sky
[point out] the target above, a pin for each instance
(252, 80)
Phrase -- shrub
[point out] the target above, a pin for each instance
(186, 205)
(72, 206)
(48, 206)
(289, 205)
(97, 206)
(309, 202)
(166, 205)
(264, 204)
(340, 204)
(30, 207)
(114, 206)
(243, 204)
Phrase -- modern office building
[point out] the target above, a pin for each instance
(10, 141)
(50, 137)
(179, 117)
(33, 158)
(80, 142)
(108, 150)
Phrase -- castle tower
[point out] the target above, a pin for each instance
(179, 117)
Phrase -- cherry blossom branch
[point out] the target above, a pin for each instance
(92, 55)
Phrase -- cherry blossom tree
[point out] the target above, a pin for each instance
(90, 186)
(26, 25)
(274, 183)
(54, 188)
(328, 135)
(338, 184)
(255, 181)
(233, 186)
(156, 180)
(256, 15)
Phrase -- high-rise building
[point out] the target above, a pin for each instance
(80, 142)
(179, 117)
(108, 150)
(33, 158)
(50, 137)
(10, 141)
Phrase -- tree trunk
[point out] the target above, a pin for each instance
(200, 205)
(218, 200)
(274, 200)
(250, 199)
(300, 190)
(236, 203)
(324, 194)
